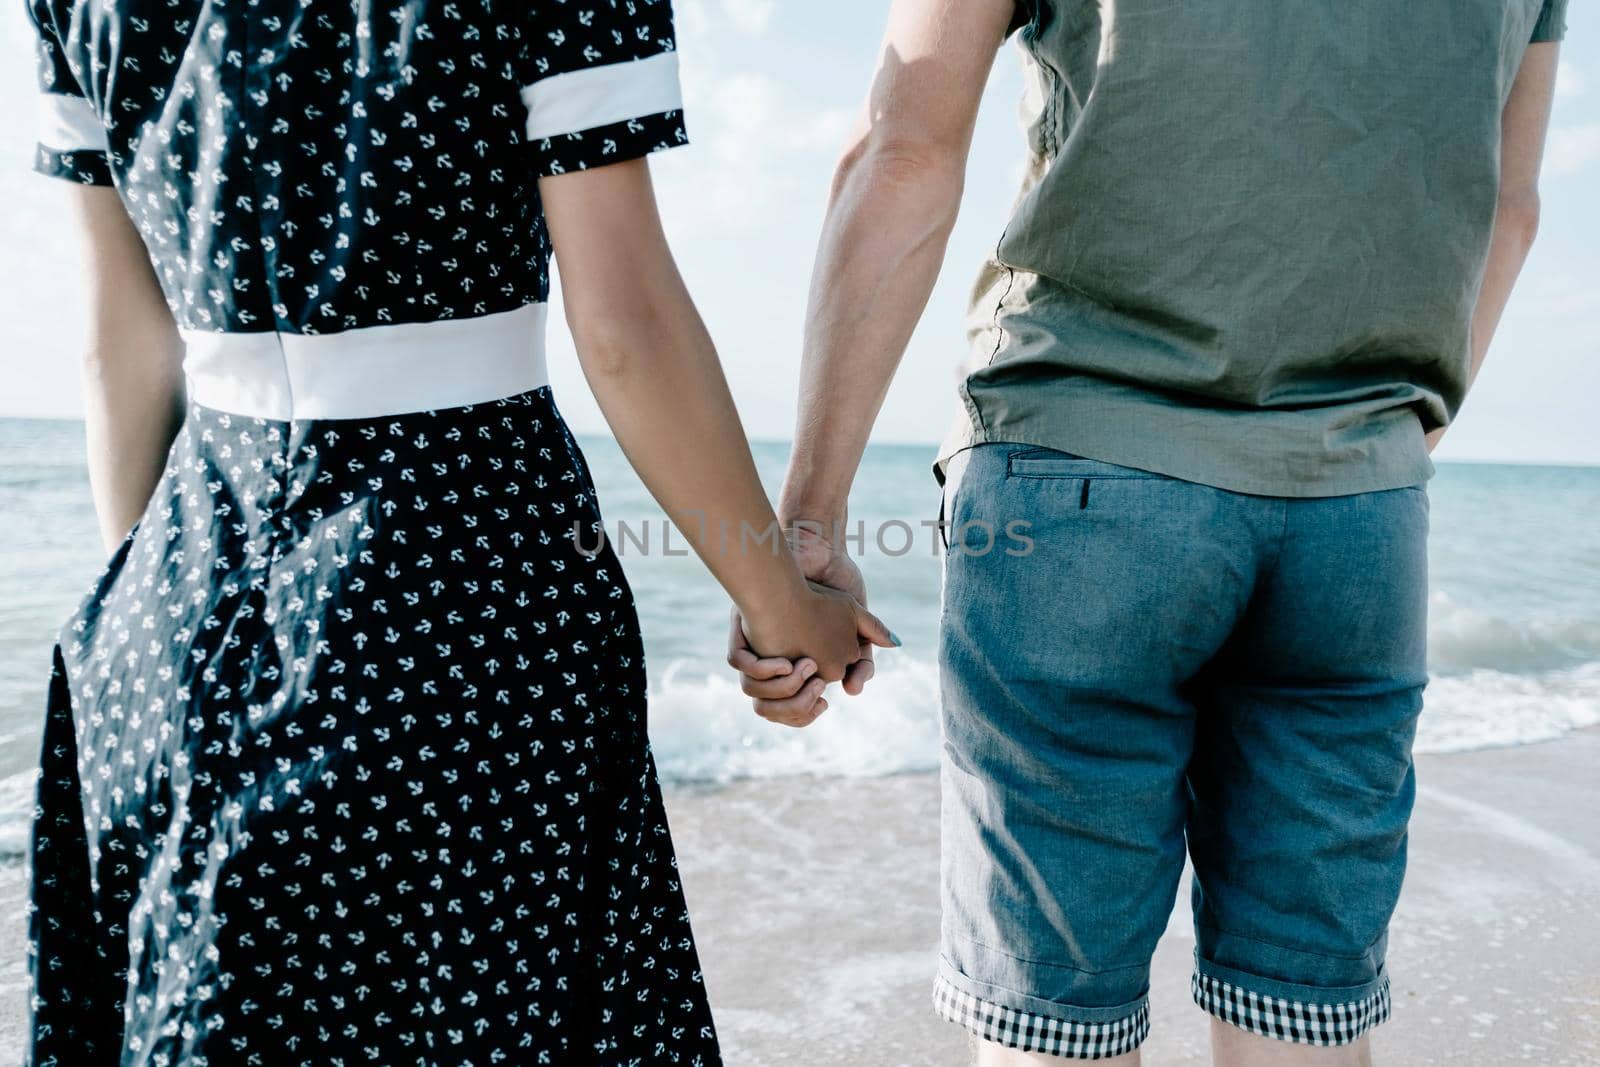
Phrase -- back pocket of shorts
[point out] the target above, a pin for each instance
(1048, 463)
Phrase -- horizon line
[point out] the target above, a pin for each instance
(933, 444)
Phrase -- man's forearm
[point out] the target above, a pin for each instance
(894, 203)
(1515, 224)
(882, 244)
(1516, 219)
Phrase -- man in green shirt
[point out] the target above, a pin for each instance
(1257, 259)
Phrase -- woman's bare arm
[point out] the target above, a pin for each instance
(1523, 125)
(132, 359)
(656, 375)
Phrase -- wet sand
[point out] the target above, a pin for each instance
(816, 903)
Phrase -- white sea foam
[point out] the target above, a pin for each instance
(16, 812)
(703, 729)
(1492, 709)
(1462, 638)
(1514, 626)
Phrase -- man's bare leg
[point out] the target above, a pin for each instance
(993, 1055)
(1230, 1047)
(1233, 1047)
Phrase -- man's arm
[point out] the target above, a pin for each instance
(895, 196)
(894, 200)
(1522, 135)
(132, 364)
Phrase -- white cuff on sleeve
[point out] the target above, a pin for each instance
(600, 96)
(69, 124)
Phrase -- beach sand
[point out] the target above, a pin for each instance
(816, 904)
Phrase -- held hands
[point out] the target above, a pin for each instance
(787, 679)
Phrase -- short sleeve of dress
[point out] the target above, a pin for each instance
(72, 138)
(1552, 24)
(601, 82)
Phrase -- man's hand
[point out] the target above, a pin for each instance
(789, 692)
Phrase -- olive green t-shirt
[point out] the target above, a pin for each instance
(1250, 236)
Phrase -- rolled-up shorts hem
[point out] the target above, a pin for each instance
(1302, 1015)
(1074, 1033)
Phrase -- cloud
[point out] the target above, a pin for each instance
(758, 108)
(1572, 148)
(751, 16)
(1559, 295)
(762, 145)
(1570, 80)
(760, 151)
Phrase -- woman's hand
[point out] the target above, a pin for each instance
(814, 641)
(790, 691)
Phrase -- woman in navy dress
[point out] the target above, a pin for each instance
(346, 757)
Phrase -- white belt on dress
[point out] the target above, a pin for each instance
(369, 372)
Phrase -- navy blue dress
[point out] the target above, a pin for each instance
(346, 756)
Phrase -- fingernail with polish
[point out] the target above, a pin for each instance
(894, 639)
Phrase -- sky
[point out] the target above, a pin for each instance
(770, 90)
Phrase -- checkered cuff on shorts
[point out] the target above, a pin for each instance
(1292, 1020)
(1040, 1033)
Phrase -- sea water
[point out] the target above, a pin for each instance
(1514, 622)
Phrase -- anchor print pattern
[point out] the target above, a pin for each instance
(327, 165)
(345, 759)
(346, 763)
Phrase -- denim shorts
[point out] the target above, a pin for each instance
(1136, 668)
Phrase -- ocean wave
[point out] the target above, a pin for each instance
(16, 813)
(1494, 709)
(703, 729)
(1462, 639)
